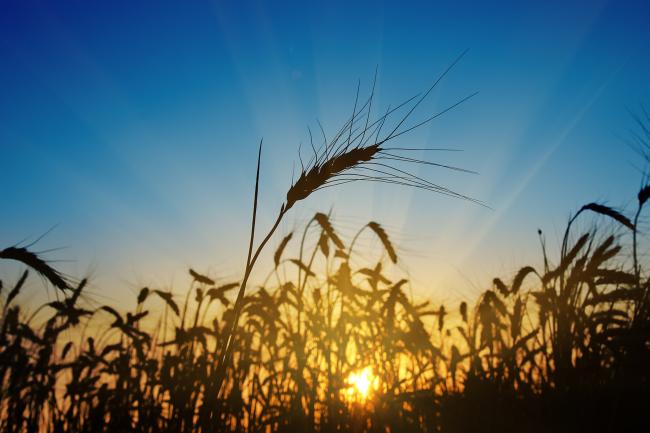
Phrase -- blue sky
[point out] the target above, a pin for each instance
(133, 127)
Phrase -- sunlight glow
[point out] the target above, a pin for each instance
(361, 383)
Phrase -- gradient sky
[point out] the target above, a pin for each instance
(133, 127)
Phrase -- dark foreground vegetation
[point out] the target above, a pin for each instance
(561, 347)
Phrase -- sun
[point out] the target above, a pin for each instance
(361, 383)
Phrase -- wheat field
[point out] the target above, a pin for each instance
(325, 346)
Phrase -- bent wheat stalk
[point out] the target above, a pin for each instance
(357, 152)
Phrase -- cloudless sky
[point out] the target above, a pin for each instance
(133, 127)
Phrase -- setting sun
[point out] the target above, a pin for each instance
(361, 383)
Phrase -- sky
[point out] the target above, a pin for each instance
(131, 129)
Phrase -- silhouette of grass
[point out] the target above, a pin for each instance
(534, 355)
(563, 348)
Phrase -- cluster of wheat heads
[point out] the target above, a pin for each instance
(358, 152)
(565, 339)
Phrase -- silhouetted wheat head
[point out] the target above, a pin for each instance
(360, 152)
(32, 260)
